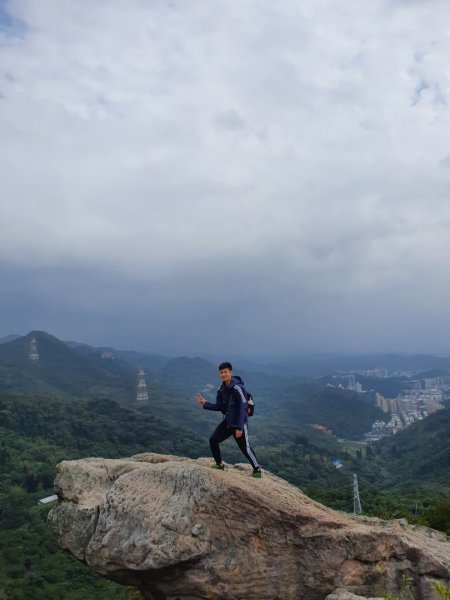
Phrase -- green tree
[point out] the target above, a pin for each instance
(438, 515)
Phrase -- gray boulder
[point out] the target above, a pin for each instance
(179, 530)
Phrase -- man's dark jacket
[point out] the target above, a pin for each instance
(231, 401)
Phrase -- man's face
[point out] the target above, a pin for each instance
(225, 375)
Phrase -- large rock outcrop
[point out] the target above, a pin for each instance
(179, 530)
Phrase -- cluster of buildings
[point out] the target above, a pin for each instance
(380, 373)
(424, 398)
(351, 383)
(411, 406)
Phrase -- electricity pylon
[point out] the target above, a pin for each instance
(356, 499)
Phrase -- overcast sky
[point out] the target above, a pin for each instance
(228, 176)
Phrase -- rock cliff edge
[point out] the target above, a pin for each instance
(179, 530)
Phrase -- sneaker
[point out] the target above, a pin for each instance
(221, 467)
(257, 473)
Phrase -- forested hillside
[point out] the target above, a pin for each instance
(417, 455)
(346, 413)
(72, 403)
(61, 370)
(36, 433)
(289, 406)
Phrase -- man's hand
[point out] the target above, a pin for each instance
(238, 433)
(200, 399)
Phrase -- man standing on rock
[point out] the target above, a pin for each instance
(231, 401)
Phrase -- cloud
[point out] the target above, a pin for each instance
(285, 164)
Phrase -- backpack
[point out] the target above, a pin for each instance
(250, 408)
(250, 405)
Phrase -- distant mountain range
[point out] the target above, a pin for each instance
(9, 338)
(313, 365)
(61, 370)
(291, 403)
(73, 403)
(75, 370)
(326, 364)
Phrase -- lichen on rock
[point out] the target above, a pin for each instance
(177, 529)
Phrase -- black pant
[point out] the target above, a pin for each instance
(221, 433)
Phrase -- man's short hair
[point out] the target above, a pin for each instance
(225, 365)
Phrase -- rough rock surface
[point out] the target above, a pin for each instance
(177, 529)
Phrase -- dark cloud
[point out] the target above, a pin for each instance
(249, 175)
(253, 307)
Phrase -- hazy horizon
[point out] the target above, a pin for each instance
(228, 177)
(236, 357)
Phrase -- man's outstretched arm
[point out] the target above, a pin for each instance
(207, 405)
